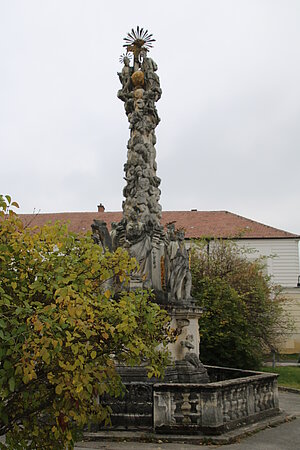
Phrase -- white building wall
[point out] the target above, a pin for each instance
(282, 258)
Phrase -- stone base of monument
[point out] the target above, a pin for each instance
(184, 319)
(186, 366)
(179, 372)
(192, 398)
(216, 407)
(185, 372)
(234, 398)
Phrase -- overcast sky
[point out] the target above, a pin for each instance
(229, 136)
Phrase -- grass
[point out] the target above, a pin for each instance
(288, 376)
(282, 357)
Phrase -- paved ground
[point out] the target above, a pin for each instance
(283, 437)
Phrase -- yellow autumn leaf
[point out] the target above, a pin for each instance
(69, 435)
(107, 293)
(72, 311)
(74, 348)
(78, 312)
(58, 389)
(38, 326)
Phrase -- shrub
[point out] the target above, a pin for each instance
(62, 330)
(243, 311)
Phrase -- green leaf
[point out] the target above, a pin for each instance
(74, 348)
(12, 384)
(46, 357)
(4, 417)
(7, 365)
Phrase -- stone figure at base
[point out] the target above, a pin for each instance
(180, 275)
(101, 235)
(139, 246)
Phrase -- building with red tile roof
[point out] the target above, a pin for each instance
(197, 224)
(279, 247)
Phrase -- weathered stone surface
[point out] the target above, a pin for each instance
(162, 256)
(242, 397)
(215, 407)
(101, 235)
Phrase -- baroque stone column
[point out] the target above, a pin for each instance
(162, 256)
(140, 229)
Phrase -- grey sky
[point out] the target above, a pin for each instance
(229, 134)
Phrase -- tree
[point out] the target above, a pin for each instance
(244, 313)
(63, 327)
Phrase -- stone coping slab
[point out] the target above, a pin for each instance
(226, 438)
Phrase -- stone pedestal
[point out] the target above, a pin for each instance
(184, 319)
(186, 368)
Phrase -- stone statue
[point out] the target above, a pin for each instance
(114, 236)
(139, 245)
(125, 75)
(180, 275)
(149, 67)
(101, 235)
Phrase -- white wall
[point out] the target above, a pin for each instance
(282, 258)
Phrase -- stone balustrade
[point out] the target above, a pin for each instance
(215, 407)
(233, 398)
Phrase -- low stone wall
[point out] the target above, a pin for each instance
(215, 407)
(232, 398)
(135, 409)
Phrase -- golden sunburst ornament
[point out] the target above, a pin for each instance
(138, 40)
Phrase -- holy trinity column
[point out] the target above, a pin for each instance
(161, 254)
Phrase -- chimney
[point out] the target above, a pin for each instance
(101, 208)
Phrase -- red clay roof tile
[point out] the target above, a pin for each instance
(197, 224)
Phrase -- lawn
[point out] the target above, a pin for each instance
(288, 376)
(283, 357)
